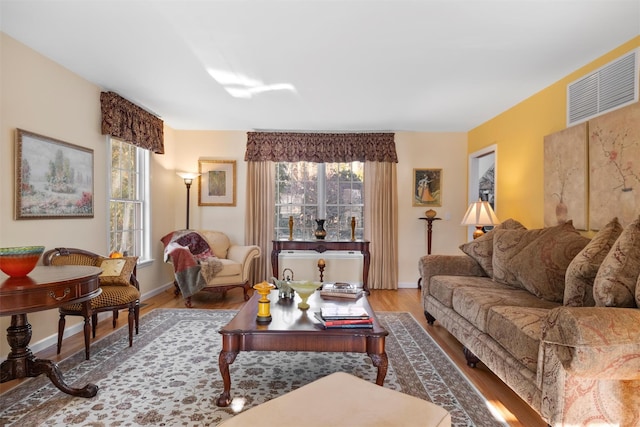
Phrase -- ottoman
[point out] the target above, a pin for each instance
(342, 399)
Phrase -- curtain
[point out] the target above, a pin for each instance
(320, 147)
(381, 223)
(377, 150)
(260, 215)
(130, 123)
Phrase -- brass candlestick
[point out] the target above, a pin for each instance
(353, 228)
(321, 265)
(291, 228)
(264, 305)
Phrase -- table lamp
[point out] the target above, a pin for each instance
(480, 214)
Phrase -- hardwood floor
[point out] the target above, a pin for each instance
(507, 403)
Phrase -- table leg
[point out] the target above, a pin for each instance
(22, 363)
(366, 260)
(381, 362)
(225, 359)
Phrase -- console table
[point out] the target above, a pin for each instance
(321, 246)
(44, 288)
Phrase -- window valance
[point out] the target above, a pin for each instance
(320, 147)
(128, 122)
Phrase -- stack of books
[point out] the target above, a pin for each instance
(349, 316)
(340, 290)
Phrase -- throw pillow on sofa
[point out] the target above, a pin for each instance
(537, 260)
(581, 273)
(617, 278)
(481, 249)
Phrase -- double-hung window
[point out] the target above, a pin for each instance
(129, 223)
(307, 191)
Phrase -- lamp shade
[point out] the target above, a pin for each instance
(480, 213)
(188, 175)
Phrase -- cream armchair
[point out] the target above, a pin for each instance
(206, 260)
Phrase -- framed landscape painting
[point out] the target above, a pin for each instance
(217, 183)
(427, 187)
(54, 179)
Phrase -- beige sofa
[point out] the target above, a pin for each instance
(206, 260)
(553, 314)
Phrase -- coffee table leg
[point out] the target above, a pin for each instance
(381, 362)
(225, 359)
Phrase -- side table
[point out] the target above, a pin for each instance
(44, 288)
(429, 235)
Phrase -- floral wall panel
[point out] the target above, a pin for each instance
(614, 163)
(565, 177)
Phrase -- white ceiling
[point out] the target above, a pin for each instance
(325, 65)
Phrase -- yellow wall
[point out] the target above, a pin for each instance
(519, 135)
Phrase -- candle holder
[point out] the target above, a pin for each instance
(264, 305)
(291, 228)
(321, 265)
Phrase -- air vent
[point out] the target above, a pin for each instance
(610, 87)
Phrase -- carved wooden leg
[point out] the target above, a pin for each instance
(137, 316)
(131, 320)
(472, 359)
(187, 302)
(176, 291)
(430, 319)
(380, 361)
(224, 360)
(61, 324)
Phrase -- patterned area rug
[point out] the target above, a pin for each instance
(170, 376)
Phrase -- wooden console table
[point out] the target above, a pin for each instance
(321, 246)
(44, 288)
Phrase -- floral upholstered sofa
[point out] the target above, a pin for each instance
(553, 314)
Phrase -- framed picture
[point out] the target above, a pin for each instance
(54, 179)
(427, 187)
(217, 183)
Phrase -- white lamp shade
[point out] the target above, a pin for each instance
(188, 175)
(480, 213)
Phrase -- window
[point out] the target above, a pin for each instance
(128, 203)
(308, 191)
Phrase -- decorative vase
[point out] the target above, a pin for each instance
(353, 228)
(320, 232)
(561, 212)
(430, 213)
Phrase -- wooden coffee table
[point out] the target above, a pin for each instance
(292, 329)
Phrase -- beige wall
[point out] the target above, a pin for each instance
(40, 96)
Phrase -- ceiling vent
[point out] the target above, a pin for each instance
(612, 86)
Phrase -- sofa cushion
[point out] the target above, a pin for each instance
(518, 330)
(615, 283)
(117, 271)
(537, 260)
(581, 273)
(474, 303)
(229, 268)
(481, 249)
(442, 287)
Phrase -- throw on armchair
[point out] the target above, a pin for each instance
(206, 260)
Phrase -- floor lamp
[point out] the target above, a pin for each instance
(188, 180)
(480, 214)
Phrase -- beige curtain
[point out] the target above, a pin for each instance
(381, 223)
(260, 215)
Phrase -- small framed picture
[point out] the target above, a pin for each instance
(217, 183)
(54, 179)
(427, 187)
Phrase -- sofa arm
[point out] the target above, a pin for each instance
(595, 342)
(243, 255)
(448, 265)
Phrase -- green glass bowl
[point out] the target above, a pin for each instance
(20, 260)
(304, 289)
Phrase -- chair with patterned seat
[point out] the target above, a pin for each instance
(120, 290)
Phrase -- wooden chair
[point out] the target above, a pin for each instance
(120, 290)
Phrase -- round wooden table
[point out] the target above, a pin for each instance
(43, 289)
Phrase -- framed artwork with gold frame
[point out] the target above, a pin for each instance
(217, 183)
(427, 187)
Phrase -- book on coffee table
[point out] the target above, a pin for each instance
(343, 312)
(340, 290)
(344, 323)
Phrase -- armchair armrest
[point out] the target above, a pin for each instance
(243, 255)
(595, 342)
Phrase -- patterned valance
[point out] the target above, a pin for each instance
(130, 123)
(320, 147)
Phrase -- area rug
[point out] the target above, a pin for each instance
(170, 376)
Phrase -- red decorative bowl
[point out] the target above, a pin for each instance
(19, 261)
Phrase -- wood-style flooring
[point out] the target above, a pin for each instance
(509, 405)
